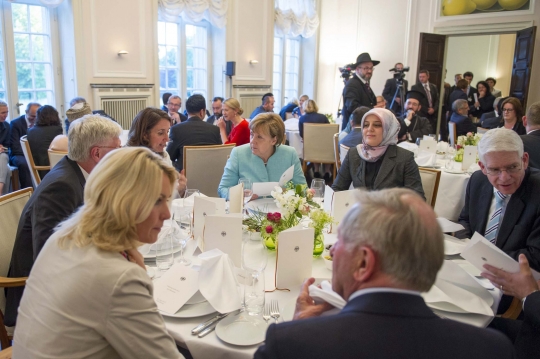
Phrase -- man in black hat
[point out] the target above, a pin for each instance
(414, 126)
(357, 91)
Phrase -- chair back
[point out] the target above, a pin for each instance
(482, 130)
(452, 133)
(337, 157)
(36, 179)
(343, 150)
(430, 183)
(319, 142)
(11, 207)
(55, 157)
(204, 166)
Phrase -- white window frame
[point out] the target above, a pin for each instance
(283, 100)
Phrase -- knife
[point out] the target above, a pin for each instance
(209, 329)
(199, 328)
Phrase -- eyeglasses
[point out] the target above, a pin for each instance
(175, 105)
(507, 110)
(498, 171)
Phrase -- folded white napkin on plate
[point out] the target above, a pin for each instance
(425, 158)
(169, 226)
(326, 294)
(442, 146)
(217, 281)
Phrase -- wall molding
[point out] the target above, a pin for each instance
(492, 28)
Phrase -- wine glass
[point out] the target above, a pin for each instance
(189, 200)
(318, 185)
(184, 222)
(248, 190)
(254, 259)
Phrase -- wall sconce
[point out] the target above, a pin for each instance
(122, 52)
(253, 62)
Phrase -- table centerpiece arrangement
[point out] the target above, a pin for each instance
(471, 139)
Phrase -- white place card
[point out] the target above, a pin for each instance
(175, 288)
(204, 206)
(428, 138)
(286, 176)
(469, 157)
(294, 257)
(236, 198)
(338, 204)
(263, 189)
(224, 232)
(428, 145)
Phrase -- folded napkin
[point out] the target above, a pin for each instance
(169, 227)
(326, 294)
(473, 168)
(217, 281)
(409, 147)
(425, 158)
(442, 147)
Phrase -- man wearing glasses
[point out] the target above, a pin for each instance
(502, 202)
(357, 91)
(173, 105)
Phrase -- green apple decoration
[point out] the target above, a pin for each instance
(512, 4)
(458, 7)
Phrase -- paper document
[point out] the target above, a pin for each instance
(263, 189)
(449, 226)
(286, 176)
(175, 288)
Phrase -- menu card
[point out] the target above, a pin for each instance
(294, 257)
(204, 206)
(469, 157)
(175, 288)
(224, 232)
(338, 204)
(263, 189)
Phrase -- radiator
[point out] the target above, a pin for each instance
(123, 110)
(249, 103)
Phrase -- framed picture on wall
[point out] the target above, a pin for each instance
(470, 9)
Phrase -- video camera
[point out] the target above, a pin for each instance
(346, 71)
(399, 75)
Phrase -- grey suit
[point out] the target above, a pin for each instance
(398, 169)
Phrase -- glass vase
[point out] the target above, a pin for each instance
(270, 242)
(318, 244)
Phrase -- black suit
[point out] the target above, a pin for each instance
(57, 197)
(425, 102)
(418, 128)
(382, 325)
(356, 94)
(389, 92)
(17, 129)
(531, 143)
(193, 132)
(490, 120)
(228, 124)
(470, 95)
(40, 138)
(519, 231)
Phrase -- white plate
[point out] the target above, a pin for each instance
(197, 298)
(152, 253)
(263, 205)
(242, 329)
(192, 311)
(456, 172)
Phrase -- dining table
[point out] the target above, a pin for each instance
(293, 136)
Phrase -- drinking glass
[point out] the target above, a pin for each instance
(450, 158)
(318, 185)
(254, 255)
(248, 190)
(184, 222)
(254, 295)
(189, 201)
(164, 252)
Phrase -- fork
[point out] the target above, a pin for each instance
(274, 311)
(266, 313)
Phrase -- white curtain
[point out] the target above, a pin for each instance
(215, 11)
(296, 17)
(48, 3)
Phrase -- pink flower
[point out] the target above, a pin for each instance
(304, 210)
(277, 217)
(469, 134)
(269, 229)
(310, 193)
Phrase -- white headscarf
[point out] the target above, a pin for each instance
(391, 129)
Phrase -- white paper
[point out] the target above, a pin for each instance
(224, 232)
(449, 297)
(475, 97)
(263, 189)
(469, 157)
(236, 198)
(175, 288)
(428, 138)
(453, 246)
(286, 176)
(428, 145)
(328, 199)
(204, 206)
(449, 226)
(294, 257)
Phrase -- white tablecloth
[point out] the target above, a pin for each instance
(293, 136)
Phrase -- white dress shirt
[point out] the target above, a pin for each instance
(382, 290)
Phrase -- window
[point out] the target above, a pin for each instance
(286, 70)
(183, 58)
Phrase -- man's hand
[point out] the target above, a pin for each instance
(431, 111)
(305, 305)
(175, 117)
(519, 284)
(410, 114)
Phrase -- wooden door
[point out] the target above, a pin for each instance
(431, 57)
(521, 70)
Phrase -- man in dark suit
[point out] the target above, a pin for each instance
(193, 132)
(174, 105)
(430, 103)
(492, 119)
(414, 126)
(461, 118)
(58, 196)
(457, 77)
(459, 93)
(531, 141)
(354, 138)
(390, 90)
(389, 250)
(217, 107)
(357, 91)
(17, 129)
(502, 200)
(470, 89)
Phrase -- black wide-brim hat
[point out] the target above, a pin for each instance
(364, 57)
(417, 95)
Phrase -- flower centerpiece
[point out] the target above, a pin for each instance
(319, 220)
(469, 140)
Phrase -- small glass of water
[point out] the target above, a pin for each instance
(254, 294)
(183, 220)
(248, 190)
(318, 185)
(164, 252)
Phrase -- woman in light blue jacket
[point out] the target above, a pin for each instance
(264, 159)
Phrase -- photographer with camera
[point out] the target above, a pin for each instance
(357, 91)
(413, 125)
(395, 88)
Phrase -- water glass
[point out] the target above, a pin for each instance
(254, 255)
(184, 222)
(254, 294)
(248, 189)
(318, 185)
(164, 252)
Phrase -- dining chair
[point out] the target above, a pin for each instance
(337, 156)
(14, 178)
(204, 166)
(11, 207)
(319, 144)
(430, 183)
(452, 133)
(36, 178)
(514, 310)
(343, 150)
(6, 353)
(482, 130)
(55, 157)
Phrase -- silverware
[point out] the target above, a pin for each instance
(201, 327)
(274, 311)
(209, 329)
(266, 313)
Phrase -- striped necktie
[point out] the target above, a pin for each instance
(493, 224)
(428, 93)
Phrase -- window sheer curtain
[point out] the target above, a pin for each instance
(296, 17)
(215, 11)
(48, 3)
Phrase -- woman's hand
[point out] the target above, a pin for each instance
(221, 124)
(477, 104)
(136, 257)
(182, 183)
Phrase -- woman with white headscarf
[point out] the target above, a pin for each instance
(377, 162)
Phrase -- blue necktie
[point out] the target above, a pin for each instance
(493, 224)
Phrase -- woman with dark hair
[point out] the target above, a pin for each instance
(47, 127)
(512, 114)
(485, 100)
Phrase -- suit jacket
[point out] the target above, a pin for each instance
(57, 197)
(287, 108)
(382, 325)
(353, 138)
(419, 127)
(4, 134)
(425, 103)
(457, 94)
(519, 231)
(17, 128)
(193, 132)
(463, 124)
(356, 94)
(228, 124)
(310, 118)
(398, 169)
(489, 120)
(40, 138)
(486, 105)
(531, 143)
(389, 92)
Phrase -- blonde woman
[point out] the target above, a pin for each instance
(232, 111)
(88, 294)
(299, 111)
